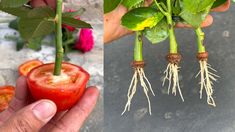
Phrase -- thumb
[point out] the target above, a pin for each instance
(31, 118)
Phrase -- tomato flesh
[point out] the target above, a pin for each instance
(26, 67)
(6, 95)
(64, 90)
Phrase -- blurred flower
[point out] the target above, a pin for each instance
(85, 42)
(70, 28)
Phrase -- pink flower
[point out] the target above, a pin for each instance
(85, 42)
(70, 28)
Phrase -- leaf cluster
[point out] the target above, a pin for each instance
(34, 24)
(152, 22)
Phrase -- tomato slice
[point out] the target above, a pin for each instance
(26, 67)
(65, 90)
(6, 95)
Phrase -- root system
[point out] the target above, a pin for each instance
(139, 75)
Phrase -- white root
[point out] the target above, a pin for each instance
(206, 81)
(171, 74)
(138, 74)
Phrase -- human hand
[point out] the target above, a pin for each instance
(23, 115)
(39, 3)
(114, 30)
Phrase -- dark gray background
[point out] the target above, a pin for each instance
(169, 113)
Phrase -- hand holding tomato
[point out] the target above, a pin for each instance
(22, 115)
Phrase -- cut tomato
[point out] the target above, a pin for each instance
(6, 95)
(26, 67)
(64, 90)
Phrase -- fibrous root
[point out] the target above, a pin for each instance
(207, 77)
(171, 74)
(139, 75)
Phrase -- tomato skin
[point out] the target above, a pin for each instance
(27, 66)
(64, 97)
(6, 95)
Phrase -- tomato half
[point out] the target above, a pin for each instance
(64, 90)
(26, 67)
(6, 95)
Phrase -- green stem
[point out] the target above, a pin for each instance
(59, 45)
(138, 47)
(173, 43)
(200, 38)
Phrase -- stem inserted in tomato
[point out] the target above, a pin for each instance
(59, 45)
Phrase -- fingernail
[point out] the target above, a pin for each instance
(44, 110)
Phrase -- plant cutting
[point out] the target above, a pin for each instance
(171, 72)
(206, 71)
(61, 82)
(73, 38)
(138, 63)
(156, 22)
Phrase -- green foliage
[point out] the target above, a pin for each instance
(131, 3)
(158, 33)
(35, 43)
(195, 6)
(20, 44)
(140, 18)
(41, 12)
(74, 13)
(13, 3)
(218, 3)
(39, 27)
(110, 5)
(14, 24)
(194, 13)
(194, 19)
(75, 23)
(176, 7)
(16, 11)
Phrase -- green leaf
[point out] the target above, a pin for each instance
(13, 3)
(110, 5)
(75, 23)
(35, 43)
(16, 11)
(218, 3)
(193, 19)
(141, 18)
(14, 24)
(74, 13)
(131, 3)
(41, 12)
(20, 44)
(38, 27)
(176, 7)
(196, 6)
(158, 33)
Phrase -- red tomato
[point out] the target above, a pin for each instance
(26, 67)
(64, 90)
(6, 94)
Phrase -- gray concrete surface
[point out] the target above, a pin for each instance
(169, 113)
(91, 61)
